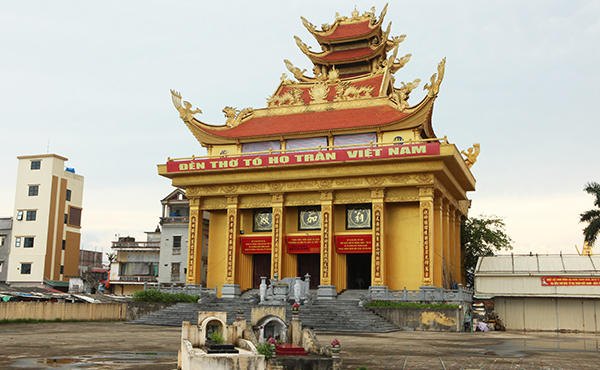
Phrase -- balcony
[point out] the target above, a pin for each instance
(135, 279)
(137, 245)
(174, 220)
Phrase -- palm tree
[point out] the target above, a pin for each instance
(592, 217)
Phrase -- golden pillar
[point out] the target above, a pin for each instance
(230, 289)
(193, 275)
(426, 231)
(378, 254)
(458, 272)
(277, 236)
(326, 236)
(438, 254)
(447, 244)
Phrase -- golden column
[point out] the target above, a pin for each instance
(427, 231)
(194, 242)
(447, 244)
(326, 290)
(277, 236)
(378, 254)
(230, 289)
(458, 248)
(438, 254)
(452, 245)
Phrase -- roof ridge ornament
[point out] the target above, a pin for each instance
(299, 74)
(185, 112)
(305, 49)
(400, 96)
(319, 92)
(434, 85)
(235, 117)
(291, 97)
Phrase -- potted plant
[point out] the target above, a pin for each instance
(335, 349)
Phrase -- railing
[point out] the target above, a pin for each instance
(319, 148)
(136, 278)
(425, 294)
(174, 220)
(189, 289)
(136, 244)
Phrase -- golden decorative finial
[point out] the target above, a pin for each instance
(185, 113)
(434, 85)
(471, 155)
(299, 74)
(305, 49)
(400, 96)
(234, 116)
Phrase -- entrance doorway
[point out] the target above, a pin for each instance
(310, 264)
(358, 270)
(261, 267)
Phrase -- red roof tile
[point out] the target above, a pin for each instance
(313, 121)
(343, 31)
(346, 54)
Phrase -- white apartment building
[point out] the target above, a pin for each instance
(44, 248)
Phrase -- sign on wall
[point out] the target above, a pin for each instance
(354, 243)
(294, 158)
(256, 244)
(303, 244)
(569, 281)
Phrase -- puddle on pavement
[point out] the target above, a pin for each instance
(517, 347)
(82, 362)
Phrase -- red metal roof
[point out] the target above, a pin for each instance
(346, 54)
(343, 31)
(313, 121)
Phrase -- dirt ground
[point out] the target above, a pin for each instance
(121, 346)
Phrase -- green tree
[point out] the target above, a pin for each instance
(592, 217)
(482, 236)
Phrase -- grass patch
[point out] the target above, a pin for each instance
(395, 304)
(153, 295)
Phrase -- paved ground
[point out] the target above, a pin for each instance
(121, 346)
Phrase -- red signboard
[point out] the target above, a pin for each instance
(569, 281)
(303, 244)
(256, 244)
(354, 243)
(293, 158)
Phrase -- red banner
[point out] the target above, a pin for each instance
(354, 243)
(293, 158)
(569, 281)
(256, 244)
(303, 244)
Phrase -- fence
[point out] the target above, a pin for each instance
(425, 294)
(189, 289)
(62, 311)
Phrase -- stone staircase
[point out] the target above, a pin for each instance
(341, 315)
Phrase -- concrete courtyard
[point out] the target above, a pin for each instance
(115, 345)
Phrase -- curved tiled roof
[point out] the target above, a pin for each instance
(345, 31)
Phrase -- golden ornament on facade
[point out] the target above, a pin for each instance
(290, 97)
(234, 116)
(298, 74)
(471, 155)
(436, 79)
(319, 92)
(348, 91)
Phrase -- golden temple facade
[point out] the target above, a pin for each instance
(339, 177)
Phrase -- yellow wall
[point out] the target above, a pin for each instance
(216, 249)
(403, 253)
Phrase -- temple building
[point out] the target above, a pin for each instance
(339, 177)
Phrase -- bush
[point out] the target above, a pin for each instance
(216, 338)
(265, 350)
(362, 368)
(153, 295)
(377, 303)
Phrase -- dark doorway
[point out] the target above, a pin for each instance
(359, 270)
(310, 264)
(262, 267)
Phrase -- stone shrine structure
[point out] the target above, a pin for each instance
(339, 177)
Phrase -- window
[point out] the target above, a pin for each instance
(310, 144)
(31, 216)
(175, 271)
(2, 240)
(25, 268)
(68, 196)
(309, 218)
(34, 190)
(28, 242)
(19, 215)
(359, 140)
(66, 218)
(358, 216)
(64, 243)
(74, 216)
(18, 241)
(62, 269)
(261, 146)
(36, 165)
(263, 220)
(176, 241)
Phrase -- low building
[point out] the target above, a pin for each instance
(174, 240)
(5, 232)
(136, 263)
(542, 292)
(89, 260)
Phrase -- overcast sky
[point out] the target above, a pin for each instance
(90, 81)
